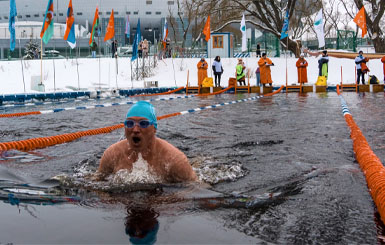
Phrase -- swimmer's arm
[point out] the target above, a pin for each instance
(106, 166)
(181, 170)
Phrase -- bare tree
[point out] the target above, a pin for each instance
(266, 15)
(374, 11)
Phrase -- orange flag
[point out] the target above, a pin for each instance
(206, 29)
(360, 20)
(110, 32)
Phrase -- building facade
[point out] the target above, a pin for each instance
(150, 12)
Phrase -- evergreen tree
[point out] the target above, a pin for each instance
(31, 50)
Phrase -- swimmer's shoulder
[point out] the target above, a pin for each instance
(117, 149)
(167, 149)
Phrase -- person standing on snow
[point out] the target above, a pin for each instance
(218, 70)
(302, 69)
(264, 64)
(202, 71)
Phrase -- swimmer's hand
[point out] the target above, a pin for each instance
(98, 176)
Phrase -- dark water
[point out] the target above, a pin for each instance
(295, 179)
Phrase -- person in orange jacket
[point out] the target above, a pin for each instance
(264, 64)
(383, 61)
(202, 71)
(302, 69)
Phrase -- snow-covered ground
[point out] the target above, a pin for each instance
(169, 73)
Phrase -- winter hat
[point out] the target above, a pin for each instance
(143, 109)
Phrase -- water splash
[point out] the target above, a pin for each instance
(140, 173)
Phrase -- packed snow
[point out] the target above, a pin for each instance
(94, 73)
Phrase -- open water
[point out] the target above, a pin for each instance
(277, 170)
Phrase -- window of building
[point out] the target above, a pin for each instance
(136, 12)
(108, 13)
(60, 14)
(0, 18)
(148, 2)
(36, 15)
(218, 42)
(79, 13)
(6, 17)
(116, 12)
(158, 13)
(20, 16)
(148, 13)
(28, 16)
(128, 12)
(170, 2)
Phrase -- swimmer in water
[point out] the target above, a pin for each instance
(164, 160)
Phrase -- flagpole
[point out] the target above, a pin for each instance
(41, 61)
(22, 72)
(77, 69)
(54, 76)
(287, 47)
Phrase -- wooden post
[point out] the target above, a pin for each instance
(188, 71)
(355, 77)
(248, 82)
(341, 79)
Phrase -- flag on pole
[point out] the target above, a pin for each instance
(360, 20)
(319, 29)
(136, 42)
(95, 25)
(69, 35)
(127, 31)
(110, 32)
(206, 29)
(47, 28)
(165, 32)
(285, 28)
(243, 30)
(12, 16)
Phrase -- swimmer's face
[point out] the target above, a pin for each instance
(138, 137)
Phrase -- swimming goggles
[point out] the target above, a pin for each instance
(132, 123)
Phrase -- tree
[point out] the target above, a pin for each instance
(31, 50)
(267, 15)
(374, 11)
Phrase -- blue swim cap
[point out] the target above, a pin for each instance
(143, 109)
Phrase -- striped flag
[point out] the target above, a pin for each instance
(127, 32)
(12, 16)
(165, 32)
(69, 35)
(47, 28)
(95, 25)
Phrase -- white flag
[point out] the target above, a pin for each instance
(319, 29)
(243, 30)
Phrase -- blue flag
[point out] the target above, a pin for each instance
(12, 16)
(285, 28)
(136, 42)
(127, 32)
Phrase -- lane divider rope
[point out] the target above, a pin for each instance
(58, 102)
(370, 164)
(87, 107)
(42, 142)
(21, 114)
